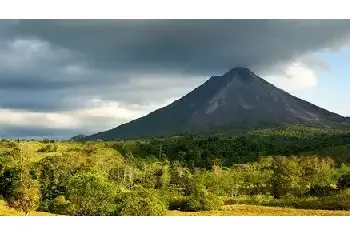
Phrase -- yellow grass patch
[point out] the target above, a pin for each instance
(5, 210)
(252, 210)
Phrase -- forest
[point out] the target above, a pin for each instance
(293, 166)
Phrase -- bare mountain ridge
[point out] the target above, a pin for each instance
(236, 98)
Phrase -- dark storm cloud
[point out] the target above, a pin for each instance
(56, 65)
(114, 50)
(35, 100)
(196, 47)
(33, 83)
(37, 132)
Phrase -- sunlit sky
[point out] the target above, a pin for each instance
(332, 90)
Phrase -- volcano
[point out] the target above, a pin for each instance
(237, 99)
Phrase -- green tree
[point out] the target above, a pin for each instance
(26, 194)
(316, 172)
(55, 173)
(164, 178)
(286, 176)
(232, 182)
(202, 200)
(142, 202)
(60, 206)
(91, 194)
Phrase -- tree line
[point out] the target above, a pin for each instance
(150, 178)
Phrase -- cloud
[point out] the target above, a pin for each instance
(297, 76)
(95, 116)
(190, 46)
(65, 75)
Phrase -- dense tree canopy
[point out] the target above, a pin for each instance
(298, 167)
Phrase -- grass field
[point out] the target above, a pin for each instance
(229, 210)
(251, 210)
(7, 211)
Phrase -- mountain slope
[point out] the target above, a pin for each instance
(238, 98)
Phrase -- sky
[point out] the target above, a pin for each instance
(60, 78)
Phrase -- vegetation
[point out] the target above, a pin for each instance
(253, 210)
(91, 194)
(202, 200)
(48, 148)
(142, 202)
(288, 167)
(26, 194)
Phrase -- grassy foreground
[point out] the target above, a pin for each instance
(229, 210)
(5, 210)
(252, 210)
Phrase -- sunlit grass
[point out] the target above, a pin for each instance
(252, 210)
(228, 210)
(5, 210)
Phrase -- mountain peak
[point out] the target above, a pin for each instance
(241, 73)
(240, 70)
(239, 98)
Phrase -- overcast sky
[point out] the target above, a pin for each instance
(61, 78)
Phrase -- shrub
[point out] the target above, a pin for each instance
(48, 148)
(89, 149)
(9, 144)
(60, 206)
(6, 154)
(47, 141)
(322, 191)
(344, 182)
(142, 202)
(286, 176)
(75, 149)
(173, 198)
(202, 200)
(8, 180)
(55, 172)
(26, 194)
(91, 194)
(340, 201)
(177, 203)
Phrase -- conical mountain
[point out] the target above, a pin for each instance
(237, 99)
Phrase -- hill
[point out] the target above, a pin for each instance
(239, 99)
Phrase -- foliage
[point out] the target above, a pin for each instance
(8, 180)
(55, 173)
(202, 200)
(48, 148)
(26, 194)
(17, 186)
(89, 149)
(204, 151)
(91, 194)
(149, 177)
(344, 182)
(48, 141)
(142, 202)
(339, 201)
(322, 191)
(60, 206)
(286, 176)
